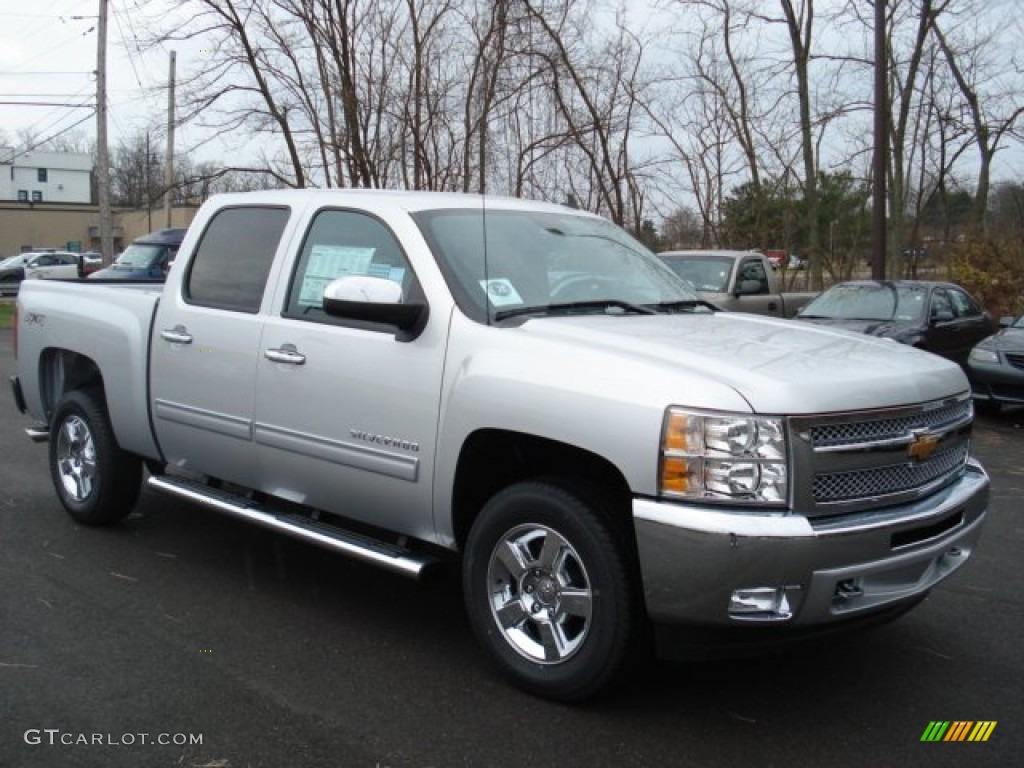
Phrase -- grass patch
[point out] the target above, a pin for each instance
(6, 314)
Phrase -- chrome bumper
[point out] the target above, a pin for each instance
(694, 558)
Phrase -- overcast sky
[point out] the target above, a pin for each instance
(48, 53)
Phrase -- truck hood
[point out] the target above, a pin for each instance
(777, 366)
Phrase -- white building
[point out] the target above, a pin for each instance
(45, 177)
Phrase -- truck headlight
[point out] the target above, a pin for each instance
(730, 457)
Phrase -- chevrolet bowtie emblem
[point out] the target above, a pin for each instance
(923, 447)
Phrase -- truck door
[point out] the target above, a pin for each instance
(346, 412)
(206, 343)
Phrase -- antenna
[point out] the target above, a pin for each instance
(487, 274)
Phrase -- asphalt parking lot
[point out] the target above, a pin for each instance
(180, 624)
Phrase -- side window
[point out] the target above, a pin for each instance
(230, 268)
(941, 303)
(964, 305)
(345, 243)
(754, 270)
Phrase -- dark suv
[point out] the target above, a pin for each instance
(147, 258)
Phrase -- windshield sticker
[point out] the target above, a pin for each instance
(328, 262)
(500, 292)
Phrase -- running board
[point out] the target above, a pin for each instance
(354, 545)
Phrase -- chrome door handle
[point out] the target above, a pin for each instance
(286, 353)
(176, 335)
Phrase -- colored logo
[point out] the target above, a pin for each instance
(958, 730)
(923, 447)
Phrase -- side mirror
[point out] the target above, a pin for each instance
(748, 288)
(374, 300)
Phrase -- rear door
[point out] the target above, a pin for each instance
(206, 343)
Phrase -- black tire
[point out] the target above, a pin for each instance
(548, 590)
(96, 481)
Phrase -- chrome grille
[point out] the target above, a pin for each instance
(856, 432)
(855, 461)
(894, 478)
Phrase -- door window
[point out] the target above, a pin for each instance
(346, 243)
(233, 259)
(754, 270)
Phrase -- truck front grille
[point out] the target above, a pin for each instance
(888, 428)
(895, 478)
(851, 462)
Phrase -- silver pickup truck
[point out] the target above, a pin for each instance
(414, 378)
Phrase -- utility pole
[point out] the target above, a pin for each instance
(879, 228)
(102, 150)
(169, 165)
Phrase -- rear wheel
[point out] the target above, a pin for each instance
(96, 481)
(548, 590)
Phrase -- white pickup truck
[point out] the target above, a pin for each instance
(414, 378)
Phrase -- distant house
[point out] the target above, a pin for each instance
(45, 177)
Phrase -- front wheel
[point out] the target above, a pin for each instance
(548, 590)
(96, 481)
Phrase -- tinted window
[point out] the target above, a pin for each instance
(964, 305)
(345, 243)
(941, 303)
(233, 259)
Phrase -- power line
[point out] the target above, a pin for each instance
(40, 142)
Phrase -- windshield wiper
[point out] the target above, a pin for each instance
(569, 307)
(684, 304)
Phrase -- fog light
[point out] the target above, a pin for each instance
(761, 604)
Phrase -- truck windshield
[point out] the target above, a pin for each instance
(505, 263)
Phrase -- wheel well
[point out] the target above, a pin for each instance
(61, 371)
(492, 459)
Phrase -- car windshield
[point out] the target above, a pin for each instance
(139, 256)
(502, 263)
(703, 273)
(870, 301)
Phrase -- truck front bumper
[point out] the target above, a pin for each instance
(707, 566)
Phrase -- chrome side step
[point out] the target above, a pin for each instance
(37, 434)
(354, 545)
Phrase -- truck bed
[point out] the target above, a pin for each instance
(110, 323)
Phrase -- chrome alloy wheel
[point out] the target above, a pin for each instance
(541, 597)
(76, 458)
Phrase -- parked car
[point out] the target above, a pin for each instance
(147, 258)
(996, 366)
(939, 317)
(53, 264)
(741, 281)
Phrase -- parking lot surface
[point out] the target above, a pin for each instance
(182, 638)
